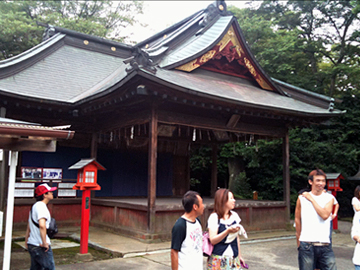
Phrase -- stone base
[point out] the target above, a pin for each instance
(87, 257)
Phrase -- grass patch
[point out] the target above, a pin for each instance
(20, 258)
(68, 255)
(348, 219)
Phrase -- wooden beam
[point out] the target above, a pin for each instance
(234, 119)
(286, 173)
(23, 144)
(215, 124)
(153, 126)
(136, 118)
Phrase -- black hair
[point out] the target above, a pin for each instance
(357, 192)
(41, 197)
(190, 198)
(316, 172)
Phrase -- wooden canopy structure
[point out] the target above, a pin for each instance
(18, 136)
(194, 82)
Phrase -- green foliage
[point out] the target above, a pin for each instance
(18, 20)
(310, 44)
(242, 188)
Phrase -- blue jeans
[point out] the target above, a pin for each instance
(311, 256)
(40, 259)
(357, 267)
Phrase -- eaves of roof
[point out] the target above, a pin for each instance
(254, 61)
(20, 128)
(235, 91)
(304, 91)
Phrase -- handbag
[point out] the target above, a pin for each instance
(207, 246)
(52, 230)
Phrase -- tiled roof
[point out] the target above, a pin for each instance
(64, 70)
(197, 44)
(236, 90)
(65, 75)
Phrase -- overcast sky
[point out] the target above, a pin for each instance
(159, 15)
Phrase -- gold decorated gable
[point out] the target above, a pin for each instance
(240, 56)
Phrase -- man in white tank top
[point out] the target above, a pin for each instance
(312, 219)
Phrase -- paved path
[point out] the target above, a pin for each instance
(270, 251)
(264, 250)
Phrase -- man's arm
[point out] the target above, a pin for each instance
(27, 234)
(42, 227)
(336, 209)
(325, 212)
(298, 220)
(174, 259)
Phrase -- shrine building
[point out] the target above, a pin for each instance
(139, 109)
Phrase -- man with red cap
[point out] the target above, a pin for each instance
(36, 239)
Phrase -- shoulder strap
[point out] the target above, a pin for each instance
(36, 224)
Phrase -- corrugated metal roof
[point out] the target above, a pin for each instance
(13, 121)
(197, 45)
(66, 75)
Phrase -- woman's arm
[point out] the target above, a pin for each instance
(216, 238)
(240, 258)
(356, 207)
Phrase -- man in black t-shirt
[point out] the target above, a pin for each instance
(186, 239)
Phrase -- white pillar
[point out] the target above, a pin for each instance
(10, 210)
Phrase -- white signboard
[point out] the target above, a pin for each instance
(66, 193)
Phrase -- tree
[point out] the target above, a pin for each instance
(19, 31)
(311, 44)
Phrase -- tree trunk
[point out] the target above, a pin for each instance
(236, 166)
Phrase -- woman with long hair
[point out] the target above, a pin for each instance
(223, 225)
(356, 200)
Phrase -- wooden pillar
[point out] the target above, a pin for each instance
(153, 126)
(4, 175)
(286, 173)
(3, 170)
(214, 182)
(93, 154)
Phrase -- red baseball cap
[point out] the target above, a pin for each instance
(42, 189)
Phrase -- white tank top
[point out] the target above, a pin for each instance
(313, 227)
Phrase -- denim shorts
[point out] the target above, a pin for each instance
(311, 256)
(41, 259)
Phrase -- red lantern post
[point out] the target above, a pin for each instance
(333, 185)
(86, 181)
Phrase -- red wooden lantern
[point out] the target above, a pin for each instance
(333, 182)
(87, 174)
(86, 181)
(333, 185)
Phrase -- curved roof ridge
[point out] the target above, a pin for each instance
(169, 29)
(31, 52)
(176, 33)
(86, 36)
(314, 94)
